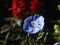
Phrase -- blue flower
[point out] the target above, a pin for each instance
(33, 24)
(57, 43)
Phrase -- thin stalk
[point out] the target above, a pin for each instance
(6, 38)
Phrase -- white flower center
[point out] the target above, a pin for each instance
(35, 26)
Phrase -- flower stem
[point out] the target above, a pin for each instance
(6, 38)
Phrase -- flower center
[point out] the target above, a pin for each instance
(35, 26)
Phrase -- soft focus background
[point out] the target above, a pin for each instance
(11, 32)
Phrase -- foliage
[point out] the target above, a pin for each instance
(14, 32)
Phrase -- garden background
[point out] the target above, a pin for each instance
(12, 34)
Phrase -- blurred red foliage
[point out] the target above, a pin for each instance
(35, 6)
(19, 6)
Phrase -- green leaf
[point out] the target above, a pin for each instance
(33, 42)
(18, 22)
(13, 25)
(6, 38)
(7, 35)
(14, 37)
(22, 43)
(8, 19)
(45, 38)
(40, 36)
(1, 41)
(58, 21)
(58, 6)
(5, 28)
(56, 28)
(56, 36)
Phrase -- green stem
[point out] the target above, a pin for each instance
(40, 36)
(6, 38)
(30, 41)
(26, 38)
(45, 36)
